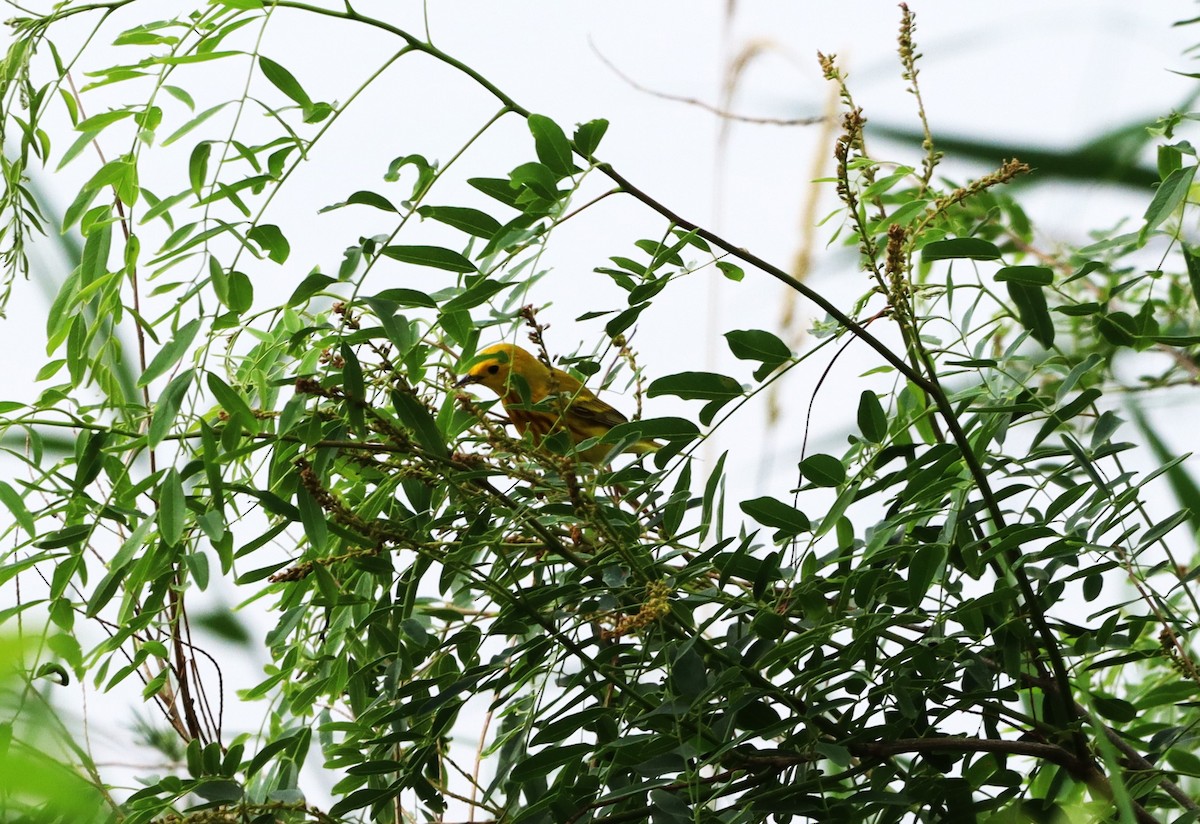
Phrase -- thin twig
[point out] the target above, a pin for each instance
(708, 107)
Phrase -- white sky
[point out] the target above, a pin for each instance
(1049, 74)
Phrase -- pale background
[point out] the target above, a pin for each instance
(1052, 75)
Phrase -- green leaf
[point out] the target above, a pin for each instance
(194, 122)
(541, 763)
(588, 136)
(1170, 194)
(82, 142)
(680, 502)
(872, 420)
(1118, 328)
(1169, 159)
(231, 402)
(172, 508)
(167, 407)
(1193, 271)
(886, 183)
(1032, 275)
(67, 536)
(262, 572)
(181, 95)
(352, 376)
(308, 287)
(16, 508)
(89, 449)
(1085, 270)
(220, 790)
(477, 293)
(351, 259)
(317, 112)
(312, 517)
(758, 716)
(1079, 310)
(660, 253)
(1184, 761)
(416, 418)
(761, 346)
(54, 670)
(670, 429)
(777, 515)
(688, 674)
(270, 239)
(711, 510)
(426, 174)
(718, 390)
(434, 257)
(1162, 528)
(624, 319)
(670, 808)
(1063, 501)
(969, 248)
(1032, 311)
(238, 294)
(407, 297)
(501, 190)
(553, 148)
(537, 178)
(97, 122)
(926, 564)
(731, 270)
(269, 751)
(471, 221)
(838, 755)
(283, 80)
(81, 203)
(1067, 411)
(823, 470)
(120, 174)
(198, 165)
(906, 214)
(704, 386)
(1183, 486)
(1173, 340)
(458, 326)
(170, 354)
(363, 198)
(96, 248)
(562, 728)
(105, 590)
(616, 576)
(1115, 709)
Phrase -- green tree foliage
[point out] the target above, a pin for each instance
(968, 613)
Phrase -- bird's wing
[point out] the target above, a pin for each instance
(582, 404)
(591, 409)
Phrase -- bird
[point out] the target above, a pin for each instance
(577, 409)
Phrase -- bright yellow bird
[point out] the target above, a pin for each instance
(581, 413)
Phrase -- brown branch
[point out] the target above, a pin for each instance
(180, 667)
(1138, 761)
(1083, 770)
(885, 749)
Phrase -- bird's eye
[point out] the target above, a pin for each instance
(494, 368)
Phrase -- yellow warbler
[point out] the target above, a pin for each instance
(575, 409)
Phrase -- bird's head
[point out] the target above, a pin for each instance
(496, 365)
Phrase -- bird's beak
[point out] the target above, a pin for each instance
(466, 380)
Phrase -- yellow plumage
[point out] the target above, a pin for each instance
(575, 408)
